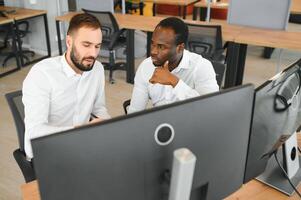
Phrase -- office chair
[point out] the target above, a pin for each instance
(14, 100)
(23, 29)
(206, 40)
(219, 69)
(133, 5)
(112, 39)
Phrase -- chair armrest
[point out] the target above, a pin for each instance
(25, 165)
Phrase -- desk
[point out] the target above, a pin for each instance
(7, 21)
(148, 24)
(258, 37)
(24, 14)
(182, 4)
(254, 190)
(296, 7)
(202, 7)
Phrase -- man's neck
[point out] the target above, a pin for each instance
(175, 64)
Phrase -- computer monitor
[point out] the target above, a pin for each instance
(123, 158)
(276, 113)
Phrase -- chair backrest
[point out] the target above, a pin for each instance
(219, 69)
(204, 39)
(16, 106)
(97, 5)
(108, 23)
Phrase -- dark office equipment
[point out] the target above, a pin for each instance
(122, 159)
(133, 6)
(23, 30)
(219, 69)
(14, 100)
(112, 39)
(276, 113)
(206, 40)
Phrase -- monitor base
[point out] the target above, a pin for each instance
(274, 177)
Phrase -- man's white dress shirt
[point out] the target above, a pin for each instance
(56, 98)
(196, 74)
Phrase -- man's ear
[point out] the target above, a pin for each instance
(180, 48)
(68, 41)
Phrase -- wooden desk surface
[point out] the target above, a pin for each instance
(254, 190)
(22, 13)
(270, 38)
(4, 20)
(296, 7)
(221, 5)
(148, 23)
(173, 2)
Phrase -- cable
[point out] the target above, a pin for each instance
(289, 180)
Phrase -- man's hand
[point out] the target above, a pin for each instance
(163, 76)
(95, 120)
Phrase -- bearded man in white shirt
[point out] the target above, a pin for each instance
(171, 73)
(63, 92)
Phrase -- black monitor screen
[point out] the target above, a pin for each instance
(121, 159)
(276, 113)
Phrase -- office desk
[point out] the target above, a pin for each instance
(258, 37)
(202, 7)
(7, 21)
(254, 190)
(182, 4)
(148, 24)
(296, 7)
(24, 14)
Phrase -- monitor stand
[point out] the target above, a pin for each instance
(273, 175)
(182, 174)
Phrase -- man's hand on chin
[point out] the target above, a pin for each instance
(163, 76)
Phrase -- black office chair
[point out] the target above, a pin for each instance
(134, 5)
(14, 100)
(206, 40)
(23, 29)
(219, 69)
(112, 39)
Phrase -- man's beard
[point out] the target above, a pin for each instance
(79, 64)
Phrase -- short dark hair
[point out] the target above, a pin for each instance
(83, 20)
(178, 26)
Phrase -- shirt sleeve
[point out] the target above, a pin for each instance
(204, 82)
(140, 95)
(99, 108)
(36, 98)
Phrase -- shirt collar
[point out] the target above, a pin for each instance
(184, 63)
(67, 68)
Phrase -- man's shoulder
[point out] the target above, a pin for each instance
(47, 64)
(197, 59)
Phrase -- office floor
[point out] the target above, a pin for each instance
(256, 72)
